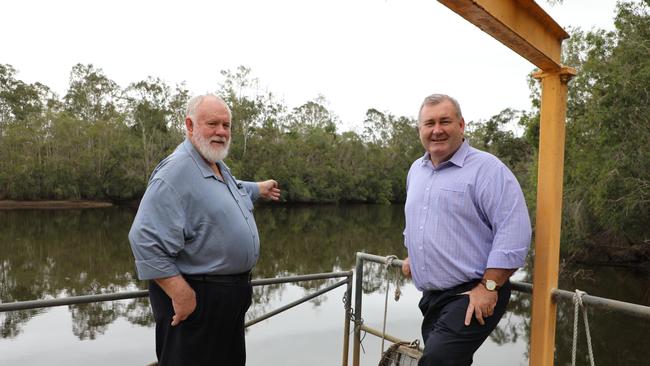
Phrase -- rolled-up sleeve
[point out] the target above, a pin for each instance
(156, 235)
(505, 207)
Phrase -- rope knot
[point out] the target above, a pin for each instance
(389, 260)
(577, 297)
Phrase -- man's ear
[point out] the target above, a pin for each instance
(189, 125)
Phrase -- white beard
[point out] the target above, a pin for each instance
(209, 152)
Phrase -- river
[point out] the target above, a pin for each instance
(55, 253)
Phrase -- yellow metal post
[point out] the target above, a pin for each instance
(549, 212)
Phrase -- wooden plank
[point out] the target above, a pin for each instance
(522, 25)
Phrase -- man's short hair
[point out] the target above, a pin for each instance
(434, 99)
(194, 102)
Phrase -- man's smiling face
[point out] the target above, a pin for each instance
(210, 133)
(441, 130)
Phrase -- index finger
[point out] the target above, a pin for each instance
(469, 313)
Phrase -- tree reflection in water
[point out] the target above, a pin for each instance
(54, 253)
(48, 254)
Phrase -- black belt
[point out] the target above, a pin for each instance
(240, 278)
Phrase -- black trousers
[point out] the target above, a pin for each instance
(447, 341)
(214, 333)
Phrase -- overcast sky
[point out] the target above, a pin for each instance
(359, 54)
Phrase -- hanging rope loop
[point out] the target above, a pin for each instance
(389, 264)
(577, 305)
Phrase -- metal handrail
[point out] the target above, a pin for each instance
(85, 299)
(295, 303)
(71, 300)
(628, 308)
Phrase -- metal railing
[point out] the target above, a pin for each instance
(358, 285)
(86, 299)
(601, 302)
(351, 315)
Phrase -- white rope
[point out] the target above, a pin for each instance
(389, 262)
(577, 303)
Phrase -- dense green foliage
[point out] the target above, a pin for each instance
(607, 162)
(96, 142)
(101, 142)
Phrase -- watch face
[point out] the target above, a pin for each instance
(490, 285)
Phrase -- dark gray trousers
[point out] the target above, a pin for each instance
(213, 334)
(447, 341)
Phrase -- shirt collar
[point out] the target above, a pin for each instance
(203, 166)
(457, 159)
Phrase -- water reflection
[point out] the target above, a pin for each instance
(615, 336)
(46, 254)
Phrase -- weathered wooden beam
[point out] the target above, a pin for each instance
(522, 25)
(550, 172)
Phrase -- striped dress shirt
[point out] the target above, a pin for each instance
(464, 216)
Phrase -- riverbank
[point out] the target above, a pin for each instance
(51, 205)
(613, 254)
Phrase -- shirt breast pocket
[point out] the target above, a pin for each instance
(245, 198)
(454, 198)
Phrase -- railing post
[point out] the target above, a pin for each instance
(346, 326)
(358, 275)
(549, 213)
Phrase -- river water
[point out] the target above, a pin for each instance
(55, 253)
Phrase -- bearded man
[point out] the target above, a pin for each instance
(195, 239)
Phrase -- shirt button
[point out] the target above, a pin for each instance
(427, 188)
(424, 208)
(420, 248)
(421, 227)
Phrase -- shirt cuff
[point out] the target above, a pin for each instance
(155, 268)
(508, 259)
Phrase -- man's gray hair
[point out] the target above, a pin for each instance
(194, 102)
(434, 99)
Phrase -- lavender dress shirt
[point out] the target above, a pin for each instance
(464, 216)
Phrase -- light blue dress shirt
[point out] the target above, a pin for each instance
(464, 216)
(191, 222)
